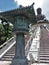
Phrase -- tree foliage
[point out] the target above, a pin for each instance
(5, 32)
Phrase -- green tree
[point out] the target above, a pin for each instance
(2, 34)
(10, 31)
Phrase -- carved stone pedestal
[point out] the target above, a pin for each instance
(19, 61)
(20, 58)
(21, 28)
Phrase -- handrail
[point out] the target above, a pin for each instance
(8, 43)
(38, 60)
(11, 43)
(32, 58)
(29, 44)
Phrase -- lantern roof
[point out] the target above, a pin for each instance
(28, 12)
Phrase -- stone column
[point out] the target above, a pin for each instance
(20, 45)
(20, 58)
(21, 28)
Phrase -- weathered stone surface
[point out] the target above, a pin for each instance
(20, 61)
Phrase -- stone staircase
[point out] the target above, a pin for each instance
(9, 55)
(44, 47)
(34, 48)
(44, 54)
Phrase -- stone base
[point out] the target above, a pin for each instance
(19, 62)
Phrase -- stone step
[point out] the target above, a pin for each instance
(44, 61)
(44, 58)
(6, 59)
(10, 53)
(44, 52)
(44, 48)
(8, 56)
(44, 55)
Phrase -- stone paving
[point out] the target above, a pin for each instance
(9, 62)
(5, 62)
(40, 64)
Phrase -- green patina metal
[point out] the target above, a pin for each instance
(28, 12)
(21, 24)
(21, 18)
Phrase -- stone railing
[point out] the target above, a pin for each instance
(27, 47)
(1, 46)
(11, 43)
(8, 44)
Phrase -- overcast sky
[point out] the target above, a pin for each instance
(45, 8)
(29, 2)
(44, 4)
(13, 4)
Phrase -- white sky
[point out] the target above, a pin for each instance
(38, 3)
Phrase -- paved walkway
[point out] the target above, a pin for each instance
(8, 63)
(40, 64)
(5, 62)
